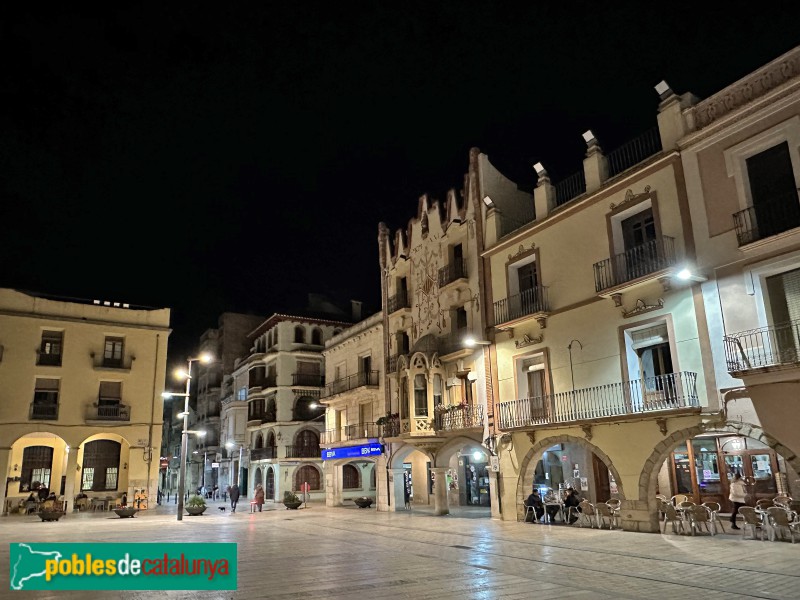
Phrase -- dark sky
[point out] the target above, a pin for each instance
(236, 158)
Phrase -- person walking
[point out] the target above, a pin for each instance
(259, 497)
(234, 497)
(737, 496)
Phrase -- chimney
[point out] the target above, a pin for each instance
(356, 306)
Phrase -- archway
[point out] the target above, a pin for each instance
(257, 478)
(595, 470)
(308, 474)
(269, 488)
(38, 463)
(412, 475)
(466, 471)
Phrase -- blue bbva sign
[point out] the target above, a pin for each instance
(352, 451)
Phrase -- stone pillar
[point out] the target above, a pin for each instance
(595, 165)
(71, 475)
(396, 487)
(494, 494)
(672, 124)
(440, 506)
(544, 195)
(331, 473)
(5, 460)
(381, 484)
(493, 226)
(635, 515)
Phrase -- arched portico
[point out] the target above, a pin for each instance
(347, 478)
(408, 467)
(38, 459)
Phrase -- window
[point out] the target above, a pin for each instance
(37, 462)
(527, 277)
(350, 478)
(773, 191)
(110, 393)
(316, 336)
(112, 355)
(270, 415)
(420, 396)
(241, 394)
(458, 262)
(783, 292)
(50, 349)
(402, 343)
(45, 399)
(100, 465)
(299, 335)
(307, 474)
(460, 319)
(437, 389)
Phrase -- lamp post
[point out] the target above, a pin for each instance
(205, 359)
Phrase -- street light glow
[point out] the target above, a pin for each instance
(205, 358)
(684, 274)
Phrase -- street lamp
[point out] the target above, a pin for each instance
(204, 358)
(230, 446)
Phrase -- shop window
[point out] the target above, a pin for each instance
(350, 478)
(100, 464)
(307, 474)
(51, 348)
(37, 463)
(420, 396)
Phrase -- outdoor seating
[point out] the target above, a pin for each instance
(671, 516)
(678, 498)
(782, 501)
(587, 513)
(700, 515)
(764, 504)
(715, 508)
(615, 503)
(31, 506)
(604, 513)
(752, 519)
(781, 520)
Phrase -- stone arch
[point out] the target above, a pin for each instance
(269, 484)
(399, 455)
(445, 453)
(648, 478)
(258, 441)
(535, 454)
(257, 478)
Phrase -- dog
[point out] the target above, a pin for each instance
(222, 508)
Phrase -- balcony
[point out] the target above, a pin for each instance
(766, 348)
(571, 187)
(351, 382)
(390, 427)
(350, 433)
(104, 362)
(308, 379)
(263, 453)
(674, 391)
(109, 412)
(49, 360)
(528, 303)
(636, 263)
(44, 412)
(460, 416)
(767, 219)
(634, 152)
(398, 302)
(303, 452)
(393, 361)
(453, 272)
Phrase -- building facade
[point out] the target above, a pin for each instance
(80, 406)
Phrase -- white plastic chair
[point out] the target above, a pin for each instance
(587, 513)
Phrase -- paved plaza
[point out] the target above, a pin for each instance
(336, 553)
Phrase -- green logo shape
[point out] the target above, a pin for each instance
(131, 566)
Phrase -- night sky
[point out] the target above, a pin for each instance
(234, 158)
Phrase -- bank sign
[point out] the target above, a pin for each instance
(352, 451)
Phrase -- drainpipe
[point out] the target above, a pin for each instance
(149, 448)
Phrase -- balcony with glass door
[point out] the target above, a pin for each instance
(646, 262)
(531, 303)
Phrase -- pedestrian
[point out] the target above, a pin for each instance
(234, 494)
(259, 497)
(737, 496)
(407, 496)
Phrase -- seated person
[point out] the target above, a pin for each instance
(43, 493)
(51, 502)
(571, 502)
(552, 499)
(81, 501)
(535, 500)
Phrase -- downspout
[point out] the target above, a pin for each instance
(149, 448)
(383, 236)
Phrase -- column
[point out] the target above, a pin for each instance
(494, 494)
(69, 485)
(544, 194)
(397, 484)
(440, 506)
(595, 165)
(5, 459)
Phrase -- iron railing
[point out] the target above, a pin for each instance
(452, 272)
(633, 152)
(663, 392)
(303, 452)
(263, 453)
(349, 433)
(767, 219)
(452, 418)
(397, 302)
(44, 412)
(110, 412)
(310, 379)
(773, 346)
(389, 428)
(393, 363)
(571, 187)
(103, 362)
(351, 382)
(641, 261)
(49, 360)
(529, 302)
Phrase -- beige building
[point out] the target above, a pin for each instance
(354, 463)
(80, 405)
(741, 154)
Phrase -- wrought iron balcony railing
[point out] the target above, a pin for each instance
(460, 416)
(109, 412)
(452, 272)
(303, 452)
(633, 152)
(44, 412)
(663, 392)
(49, 360)
(389, 428)
(263, 453)
(397, 302)
(767, 219)
(351, 382)
(773, 346)
(308, 379)
(641, 261)
(350, 432)
(571, 187)
(529, 302)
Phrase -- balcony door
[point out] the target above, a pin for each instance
(773, 189)
(639, 241)
(784, 303)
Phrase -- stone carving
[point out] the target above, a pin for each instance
(662, 426)
(630, 197)
(587, 432)
(522, 250)
(642, 307)
(529, 341)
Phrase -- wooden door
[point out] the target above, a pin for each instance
(601, 480)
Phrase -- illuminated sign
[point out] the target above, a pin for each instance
(352, 451)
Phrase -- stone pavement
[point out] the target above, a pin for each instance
(349, 552)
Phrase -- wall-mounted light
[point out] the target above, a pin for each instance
(687, 274)
(124, 466)
(77, 467)
(488, 202)
(279, 437)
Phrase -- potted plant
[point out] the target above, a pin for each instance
(47, 514)
(126, 511)
(363, 501)
(291, 501)
(196, 506)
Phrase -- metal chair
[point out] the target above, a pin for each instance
(587, 513)
(615, 503)
(715, 508)
(700, 515)
(780, 519)
(671, 516)
(678, 498)
(752, 519)
(604, 513)
(764, 504)
(782, 500)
